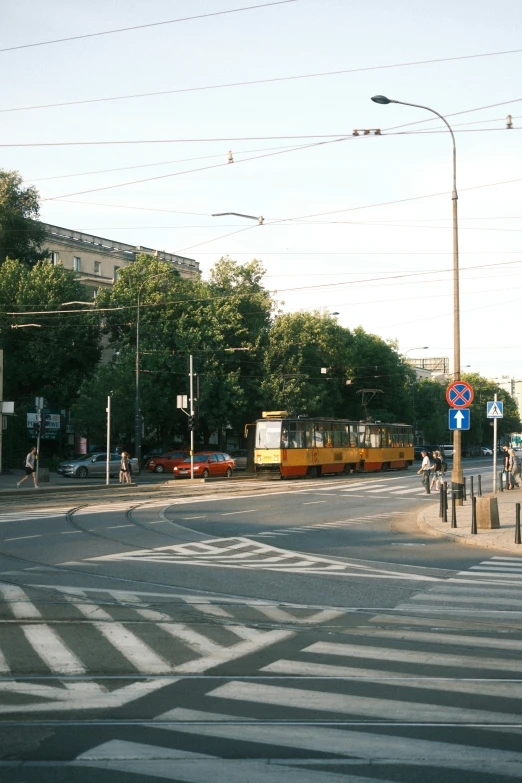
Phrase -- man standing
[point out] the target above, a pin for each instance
(425, 469)
(30, 468)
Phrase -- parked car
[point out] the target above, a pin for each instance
(157, 451)
(486, 451)
(103, 448)
(448, 450)
(210, 463)
(240, 456)
(94, 466)
(166, 461)
(417, 451)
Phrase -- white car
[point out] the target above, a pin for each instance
(486, 451)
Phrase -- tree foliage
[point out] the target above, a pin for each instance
(52, 358)
(22, 236)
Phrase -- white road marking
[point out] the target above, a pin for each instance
(4, 666)
(410, 491)
(200, 517)
(137, 652)
(414, 656)
(114, 527)
(51, 649)
(387, 489)
(351, 704)
(314, 502)
(232, 513)
(19, 603)
(355, 743)
(511, 689)
(22, 538)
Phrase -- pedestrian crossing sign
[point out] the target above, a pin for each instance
(495, 409)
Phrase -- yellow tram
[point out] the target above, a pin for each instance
(290, 446)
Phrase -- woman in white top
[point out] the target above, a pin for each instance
(425, 469)
(30, 469)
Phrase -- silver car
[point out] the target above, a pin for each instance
(94, 466)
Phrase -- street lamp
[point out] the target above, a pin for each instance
(137, 408)
(456, 474)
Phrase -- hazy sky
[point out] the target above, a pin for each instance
(363, 259)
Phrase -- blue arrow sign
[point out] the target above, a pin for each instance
(495, 409)
(459, 419)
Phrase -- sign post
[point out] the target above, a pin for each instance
(459, 395)
(495, 411)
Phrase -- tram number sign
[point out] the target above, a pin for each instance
(459, 394)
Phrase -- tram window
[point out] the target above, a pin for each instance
(268, 435)
(309, 432)
(296, 434)
(337, 432)
(375, 437)
(285, 438)
(328, 434)
(354, 440)
(319, 435)
(364, 437)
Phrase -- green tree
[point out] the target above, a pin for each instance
(480, 431)
(22, 236)
(53, 357)
(431, 410)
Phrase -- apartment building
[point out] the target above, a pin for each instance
(98, 260)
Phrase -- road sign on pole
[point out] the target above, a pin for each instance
(495, 409)
(459, 394)
(182, 401)
(459, 419)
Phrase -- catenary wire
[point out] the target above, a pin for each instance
(144, 26)
(263, 81)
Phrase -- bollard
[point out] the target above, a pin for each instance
(464, 496)
(471, 492)
(500, 484)
(445, 503)
(517, 524)
(479, 478)
(441, 500)
(453, 510)
(473, 515)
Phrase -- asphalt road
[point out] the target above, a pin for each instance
(303, 630)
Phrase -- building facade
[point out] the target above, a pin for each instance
(436, 368)
(98, 261)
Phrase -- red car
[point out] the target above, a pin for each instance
(167, 461)
(207, 463)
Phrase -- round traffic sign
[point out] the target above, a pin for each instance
(459, 394)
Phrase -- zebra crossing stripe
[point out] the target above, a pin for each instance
(448, 639)
(351, 704)
(51, 649)
(19, 603)
(135, 758)
(354, 743)
(414, 656)
(508, 689)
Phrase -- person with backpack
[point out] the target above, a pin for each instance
(437, 470)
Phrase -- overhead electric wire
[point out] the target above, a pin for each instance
(144, 26)
(262, 293)
(252, 82)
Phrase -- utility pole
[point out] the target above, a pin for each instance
(191, 387)
(38, 439)
(1, 403)
(108, 460)
(495, 452)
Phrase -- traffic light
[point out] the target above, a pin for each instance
(36, 428)
(191, 422)
(42, 425)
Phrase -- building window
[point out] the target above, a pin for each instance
(97, 267)
(77, 264)
(54, 259)
(116, 272)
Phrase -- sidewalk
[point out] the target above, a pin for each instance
(503, 538)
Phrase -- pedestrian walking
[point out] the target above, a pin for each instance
(125, 469)
(514, 470)
(425, 469)
(437, 470)
(30, 469)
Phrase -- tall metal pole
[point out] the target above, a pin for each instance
(108, 460)
(457, 485)
(137, 408)
(38, 439)
(495, 452)
(1, 403)
(191, 382)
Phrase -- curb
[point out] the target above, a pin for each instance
(423, 525)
